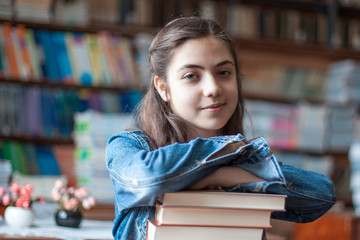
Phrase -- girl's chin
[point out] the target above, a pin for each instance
(210, 132)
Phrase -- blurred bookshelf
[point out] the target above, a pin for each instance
(283, 36)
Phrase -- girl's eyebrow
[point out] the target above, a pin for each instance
(224, 63)
(201, 67)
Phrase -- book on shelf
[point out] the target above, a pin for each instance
(311, 123)
(6, 9)
(42, 184)
(10, 52)
(91, 59)
(18, 56)
(32, 10)
(26, 71)
(34, 54)
(222, 199)
(156, 231)
(4, 69)
(72, 13)
(5, 172)
(216, 217)
(81, 54)
(49, 64)
(62, 56)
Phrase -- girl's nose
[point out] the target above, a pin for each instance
(211, 87)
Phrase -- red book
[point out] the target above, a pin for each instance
(10, 51)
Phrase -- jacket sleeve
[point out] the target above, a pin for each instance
(310, 195)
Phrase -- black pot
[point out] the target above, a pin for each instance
(68, 218)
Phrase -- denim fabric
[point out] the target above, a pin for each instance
(140, 176)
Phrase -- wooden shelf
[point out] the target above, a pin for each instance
(47, 84)
(309, 50)
(317, 6)
(351, 12)
(336, 155)
(38, 140)
(319, 50)
(91, 28)
(100, 212)
(279, 99)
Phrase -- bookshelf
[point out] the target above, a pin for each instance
(257, 47)
(309, 48)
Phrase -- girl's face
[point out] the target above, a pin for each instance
(201, 85)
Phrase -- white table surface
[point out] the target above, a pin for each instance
(44, 226)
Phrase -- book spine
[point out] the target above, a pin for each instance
(10, 51)
(26, 68)
(34, 54)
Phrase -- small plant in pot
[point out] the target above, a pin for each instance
(71, 202)
(17, 199)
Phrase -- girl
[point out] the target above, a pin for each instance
(191, 135)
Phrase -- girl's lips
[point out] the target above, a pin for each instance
(214, 107)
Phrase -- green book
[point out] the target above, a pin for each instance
(14, 152)
(30, 159)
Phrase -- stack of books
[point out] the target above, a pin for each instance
(33, 10)
(92, 130)
(6, 9)
(342, 85)
(5, 173)
(213, 215)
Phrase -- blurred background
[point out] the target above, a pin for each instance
(71, 73)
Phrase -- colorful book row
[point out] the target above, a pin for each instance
(28, 158)
(31, 111)
(37, 163)
(286, 82)
(91, 59)
(241, 19)
(304, 127)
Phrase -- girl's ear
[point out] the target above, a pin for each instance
(160, 86)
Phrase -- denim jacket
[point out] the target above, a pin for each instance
(140, 176)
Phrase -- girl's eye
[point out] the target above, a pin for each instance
(190, 76)
(224, 73)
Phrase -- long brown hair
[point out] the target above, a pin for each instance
(155, 117)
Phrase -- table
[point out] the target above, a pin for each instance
(44, 227)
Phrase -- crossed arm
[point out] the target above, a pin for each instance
(226, 176)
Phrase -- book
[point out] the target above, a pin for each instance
(46, 161)
(82, 59)
(65, 158)
(222, 199)
(94, 55)
(49, 63)
(13, 151)
(104, 42)
(165, 232)
(42, 184)
(26, 70)
(62, 56)
(4, 68)
(34, 54)
(29, 151)
(311, 124)
(5, 172)
(215, 217)
(10, 52)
